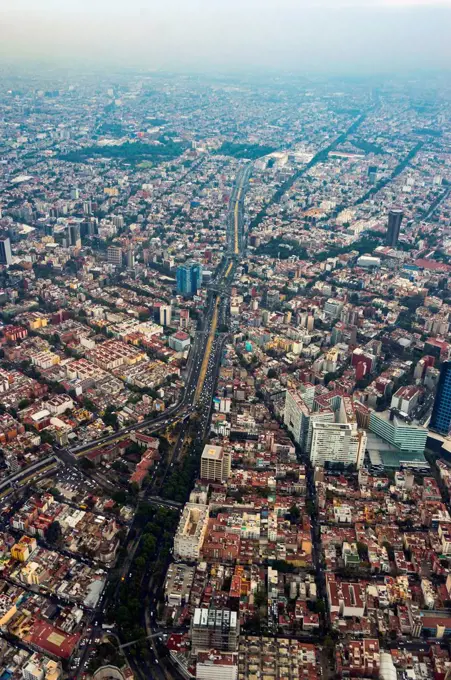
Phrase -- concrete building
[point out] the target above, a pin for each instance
(405, 436)
(5, 250)
(214, 629)
(213, 665)
(215, 464)
(114, 255)
(179, 341)
(165, 315)
(337, 443)
(191, 532)
(394, 227)
(405, 399)
(39, 667)
(298, 406)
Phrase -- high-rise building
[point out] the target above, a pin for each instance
(337, 443)
(189, 278)
(130, 258)
(118, 221)
(5, 250)
(372, 174)
(404, 435)
(184, 319)
(165, 315)
(394, 226)
(299, 415)
(214, 629)
(74, 237)
(441, 411)
(114, 255)
(215, 464)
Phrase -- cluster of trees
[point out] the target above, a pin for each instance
(150, 559)
(368, 147)
(178, 485)
(282, 248)
(251, 151)
(365, 245)
(53, 534)
(130, 151)
(110, 417)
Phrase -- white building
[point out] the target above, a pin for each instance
(215, 464)
(337, 443)
(297, 412)
(213, 665)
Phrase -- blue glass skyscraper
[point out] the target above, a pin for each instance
(441, 412)
(189, 278)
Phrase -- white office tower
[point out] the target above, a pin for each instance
(337, 443)
(215, 464)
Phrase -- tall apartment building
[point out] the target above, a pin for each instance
(214, 629)
(326, 415)
(114, 255)
(337, 443)
(5, 250)
(215, 464)
(299, 415)
(165, 315)
(441, 411)
(130, 257)
(184, 319)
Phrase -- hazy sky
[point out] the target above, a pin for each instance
(299, 35)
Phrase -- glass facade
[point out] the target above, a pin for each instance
(441, 412)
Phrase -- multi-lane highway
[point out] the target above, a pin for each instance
(207, 373)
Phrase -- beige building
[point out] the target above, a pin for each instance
(191, 532)
(215, 464)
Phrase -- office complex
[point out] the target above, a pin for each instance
(337, 443)
(5, 250)
(394, 227)
(441, 412)
(189, 278)
(215, 464)
(397, 432)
